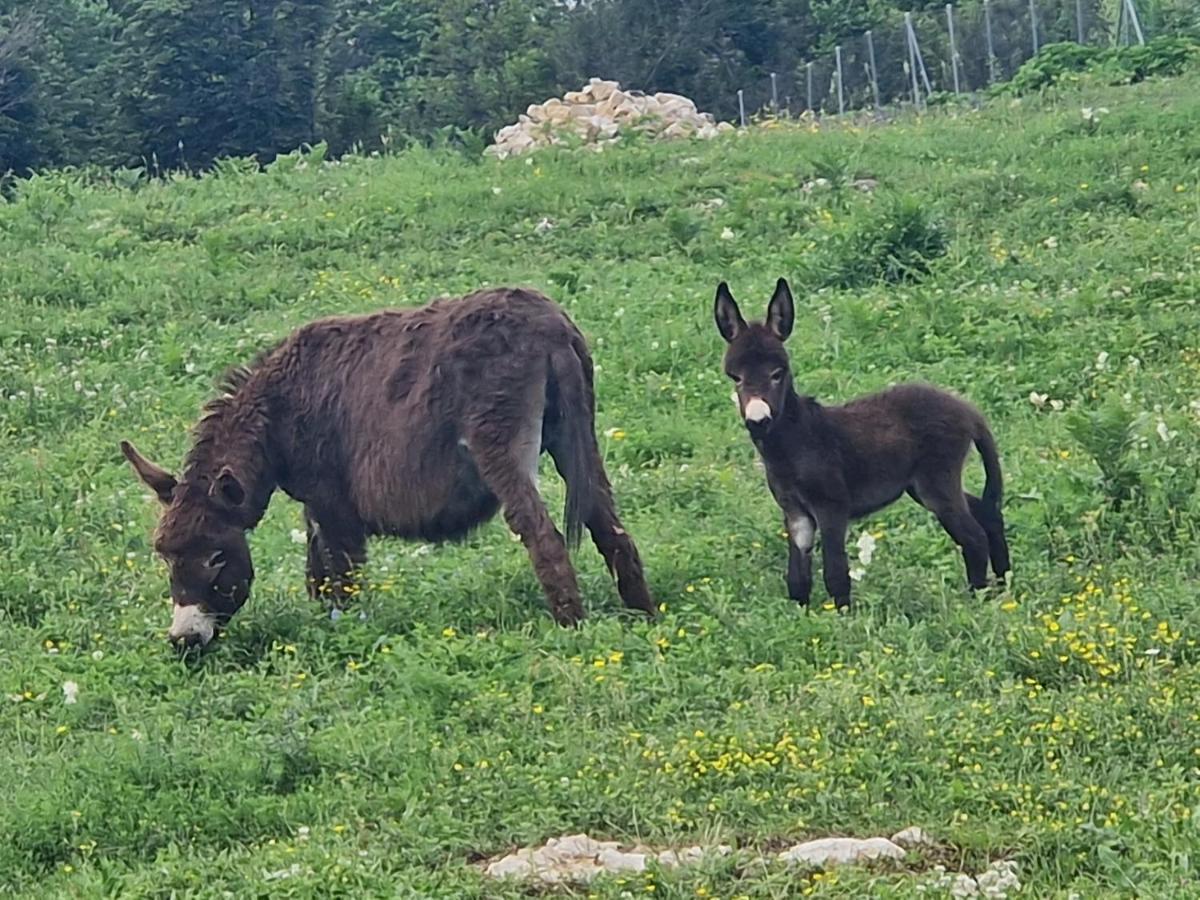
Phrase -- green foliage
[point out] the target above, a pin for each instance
(897, 242)
(1108, 432)
(1057, 63)
(1053, 722)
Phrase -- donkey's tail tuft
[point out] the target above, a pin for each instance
(571, 368)
(993, 488)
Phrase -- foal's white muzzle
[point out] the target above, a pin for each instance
(757, 411)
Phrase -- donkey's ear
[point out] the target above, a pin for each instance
(157, 479)
(729, 318)
(781, 312)
(228, 488)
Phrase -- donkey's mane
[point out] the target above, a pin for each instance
(231, 414)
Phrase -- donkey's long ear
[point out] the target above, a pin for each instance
(729, 318)
(228, 487)
(157, 479)
(781, 312)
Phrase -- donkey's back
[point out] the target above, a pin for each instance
(423, 423)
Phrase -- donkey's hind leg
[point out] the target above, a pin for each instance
(945, 499)
(993, 525)
(505, 468)
(608, 533)
(336, 553)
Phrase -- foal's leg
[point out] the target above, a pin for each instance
(832, 523)
(506, 473)
(945, 498)
(802, 532)
(993, 525)
(336, 553)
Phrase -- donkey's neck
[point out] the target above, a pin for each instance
(235, 432)
(803, 426)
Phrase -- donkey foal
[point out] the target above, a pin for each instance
(827, 465)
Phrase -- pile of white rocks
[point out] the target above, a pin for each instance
(596, 116)
(578, 858)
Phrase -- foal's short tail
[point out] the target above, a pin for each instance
(571, 367)
(993, 488)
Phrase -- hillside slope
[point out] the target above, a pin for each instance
(1055, 725)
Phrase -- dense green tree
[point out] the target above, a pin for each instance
(180, 83)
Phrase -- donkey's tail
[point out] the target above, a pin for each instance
(574, 448)
(993, 488)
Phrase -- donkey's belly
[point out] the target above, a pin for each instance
(441, 506)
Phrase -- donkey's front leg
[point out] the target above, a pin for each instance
(802, 533)
(336, 553)
(833, 524)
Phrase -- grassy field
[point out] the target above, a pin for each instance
(1057, 724)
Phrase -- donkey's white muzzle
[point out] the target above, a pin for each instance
(192, 626)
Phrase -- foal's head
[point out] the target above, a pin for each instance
(201, 537)
(755, 358)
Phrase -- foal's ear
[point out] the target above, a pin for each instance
(157, 479)
(228, 488)
(729, 318)
(781, 312)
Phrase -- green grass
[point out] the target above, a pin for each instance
(1058, 724)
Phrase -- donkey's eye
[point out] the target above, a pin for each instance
(217, 560)
(777, 376)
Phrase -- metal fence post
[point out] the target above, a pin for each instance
(808, 69)
(1133, 20)
(874, 70)
(837, 52)
(1033, 24)
(991, 48)
(1079, 20)
(953, 44)
(912, 59)
(742, 107)
(774, 93)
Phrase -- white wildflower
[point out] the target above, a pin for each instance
(70, 692)
(1164, 432)
(964, 886)
(1038, 400)
(1056, 405)
(1101, 360)
(298, 536)
(496, 191)
(97, 655)
(1050, 243)
(543, 226)
(866, 548)
(727, 234)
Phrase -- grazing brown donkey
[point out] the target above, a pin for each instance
(827, 465)
(415, 423)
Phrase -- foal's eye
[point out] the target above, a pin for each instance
(777, 376)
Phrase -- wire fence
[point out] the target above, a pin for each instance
(952, 50)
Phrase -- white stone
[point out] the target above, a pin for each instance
(834, 851)
(913, 836)
(515, 866)
(616, 861)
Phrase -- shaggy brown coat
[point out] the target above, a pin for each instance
(415, 423)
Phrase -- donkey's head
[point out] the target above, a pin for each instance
(756, 359)
(201, 537)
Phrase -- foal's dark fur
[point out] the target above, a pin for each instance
(417, 423)
(828, 465)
